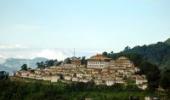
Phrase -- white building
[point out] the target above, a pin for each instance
(55, 78)
(46, 78)
(110, 82)
(98, 61)
(75, 79)
(68, 78)
(140, 79)
(141, 82)
(124, 62)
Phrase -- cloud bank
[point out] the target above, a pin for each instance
(19, 51)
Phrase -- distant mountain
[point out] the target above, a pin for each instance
(7, 69)
(13, 64)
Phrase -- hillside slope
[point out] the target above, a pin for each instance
(158, 53)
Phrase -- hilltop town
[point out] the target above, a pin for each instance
(99, 69)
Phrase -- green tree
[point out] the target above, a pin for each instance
(24, 67)
(4, 75)
(105, 53)
(58, 63)
(127, 48)
(49, 63)
(41, 65)
(165, 79)
(83, 60)
(67, 61)
(152, 73)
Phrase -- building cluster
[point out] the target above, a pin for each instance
(99, 69)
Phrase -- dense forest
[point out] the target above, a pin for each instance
(158, 54)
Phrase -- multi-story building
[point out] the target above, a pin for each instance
(98, 61)
(123, 62)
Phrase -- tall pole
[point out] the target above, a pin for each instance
(74, 52)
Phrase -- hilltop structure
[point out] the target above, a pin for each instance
(75, 61)
(98, 61)
(99, 69)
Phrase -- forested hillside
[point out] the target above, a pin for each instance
(158, 54)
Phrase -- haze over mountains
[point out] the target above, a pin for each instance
(12, 59)
(13, 64)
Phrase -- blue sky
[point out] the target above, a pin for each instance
(84, 24)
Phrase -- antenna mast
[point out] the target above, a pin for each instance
(74, 52)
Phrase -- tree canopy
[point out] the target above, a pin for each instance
(48, 63)
(165, 79)
(4, 75)
(24, 67)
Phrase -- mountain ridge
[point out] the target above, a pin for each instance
(158, 53)
(13, 64)
(168, 41)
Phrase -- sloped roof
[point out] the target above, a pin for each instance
(75, 58)
(123, 58)
(99, 57)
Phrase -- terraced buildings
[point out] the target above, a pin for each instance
(99, 69)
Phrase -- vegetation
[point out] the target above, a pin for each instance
(67, 61)
(48, 63)
(37, 90)
(24, 67)
(157, 54)
(152, 74)
(83, 60)
(4, 75)
(165, 80)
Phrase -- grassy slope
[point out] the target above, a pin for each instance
(25, 89)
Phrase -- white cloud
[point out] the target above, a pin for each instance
(33, 53)
(1, 56)
(19, 51)
(11, 46)
(52, 54)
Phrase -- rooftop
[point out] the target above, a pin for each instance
(99, 57)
